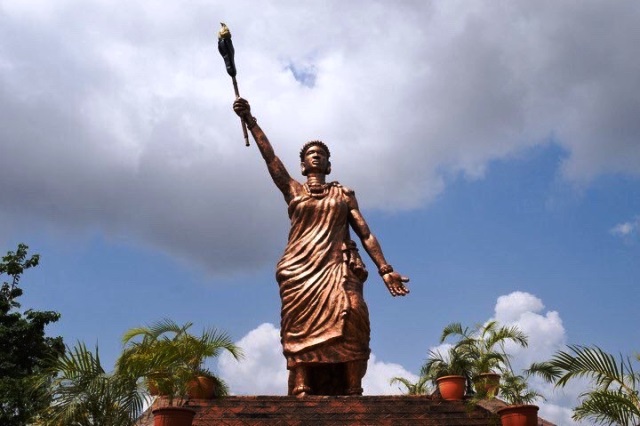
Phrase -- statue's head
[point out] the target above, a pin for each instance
(313, 152)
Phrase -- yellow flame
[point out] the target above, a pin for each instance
(224, 31)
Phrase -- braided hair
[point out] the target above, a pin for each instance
(314, 143)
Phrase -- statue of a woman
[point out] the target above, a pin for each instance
(324, 319)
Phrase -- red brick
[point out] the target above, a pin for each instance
(340, 411)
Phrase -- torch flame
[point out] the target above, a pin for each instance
(224, 31)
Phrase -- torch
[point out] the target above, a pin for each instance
(225, 47)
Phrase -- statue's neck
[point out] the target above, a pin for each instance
(315, 179)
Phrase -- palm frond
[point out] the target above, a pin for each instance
(546, 370)
(514, 390)
(454, 329)
(591, 362)
(82, 393)
(420, 387)
(608, 407)
(216, 341)
(155, 330)
(613, 398)
(169, 357)
(456, 362)
(503, 334)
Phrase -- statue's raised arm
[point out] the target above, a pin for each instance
(281, 177)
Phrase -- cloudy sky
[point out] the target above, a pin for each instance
(494, 148)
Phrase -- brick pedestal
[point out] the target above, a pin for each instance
(338, 411)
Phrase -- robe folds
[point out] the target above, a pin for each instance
(324, 318)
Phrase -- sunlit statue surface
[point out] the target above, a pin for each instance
(324, 319)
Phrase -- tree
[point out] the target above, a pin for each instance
(613, 396)
(84, 394)
(25, 351)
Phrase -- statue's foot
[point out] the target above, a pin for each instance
(355, 391)
(301, 391)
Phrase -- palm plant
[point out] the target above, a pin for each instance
(515, 390)
(419, 387)
(83, 394)
(613, 398)
(449, 372)
(456, 362)
(169, 358)
(485, 344)
(520, 410)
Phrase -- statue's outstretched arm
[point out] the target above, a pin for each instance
(278, 172)
(392, 279)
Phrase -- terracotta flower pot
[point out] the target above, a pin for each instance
(487, 384)
(451, 387)
(173, 416)
(519, 415)
(202, 387)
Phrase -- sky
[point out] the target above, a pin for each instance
(494, 148)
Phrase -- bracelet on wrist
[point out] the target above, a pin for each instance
(385, 269)
(251, 122)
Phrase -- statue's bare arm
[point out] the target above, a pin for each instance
(393, 280)
(287, 185)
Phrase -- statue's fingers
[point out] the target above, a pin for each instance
(404, 279)
(240, 103)
(392, 289)
(402, 290)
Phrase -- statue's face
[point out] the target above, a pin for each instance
(315, 160)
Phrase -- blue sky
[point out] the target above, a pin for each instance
(494, 149)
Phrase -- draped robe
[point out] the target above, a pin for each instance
(324, 318)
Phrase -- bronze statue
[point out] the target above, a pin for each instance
(324, 318)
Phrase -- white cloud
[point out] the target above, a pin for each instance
(512, 306)
(116, 115)
(379, 374)
(546, 335)
(627, 229)
(561, 416)
(545, 330)
(623, 228)
(263, 370)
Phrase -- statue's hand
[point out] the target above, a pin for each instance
(242, 108)
(395, 283)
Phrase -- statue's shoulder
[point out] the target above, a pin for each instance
(345, 190)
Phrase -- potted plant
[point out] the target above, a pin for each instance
(450, 373)
(206, 385)
(170, 361)
(210, 344)
(485, 345)
(520, 410)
